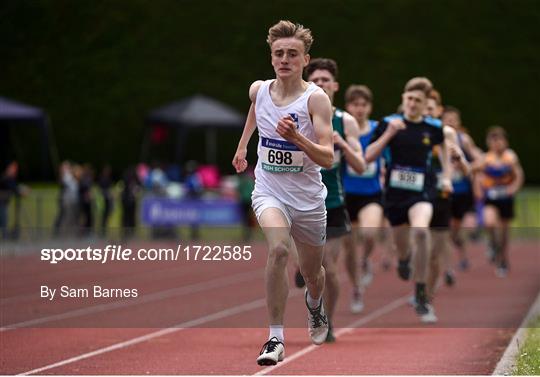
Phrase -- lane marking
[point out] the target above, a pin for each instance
(152, 297)
(345, 330)
(179, 327)
(238, 309)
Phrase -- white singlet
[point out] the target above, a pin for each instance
(284, 170)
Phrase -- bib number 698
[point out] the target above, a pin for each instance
(279, 157)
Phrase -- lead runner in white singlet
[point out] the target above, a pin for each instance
(294, 120)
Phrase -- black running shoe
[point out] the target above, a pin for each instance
(404, 270)
(421, 307)
(421, 300)
(271, 352)
(449, 278)
(299, 279)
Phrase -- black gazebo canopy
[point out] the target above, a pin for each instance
(15, 114)
(196, 112)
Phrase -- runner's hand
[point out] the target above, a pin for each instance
(395, 125)
(286, 128)
(455, 152)
(338, 140)
(446, 186)
(239, 161)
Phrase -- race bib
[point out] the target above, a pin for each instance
(370, 172)
(497, 192)
(407, 179)
(457, 175)
(280, 156)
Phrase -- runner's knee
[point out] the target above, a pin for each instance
(279, 253)
(311, 277)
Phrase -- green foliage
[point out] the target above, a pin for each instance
(98, 67)
(528, 358)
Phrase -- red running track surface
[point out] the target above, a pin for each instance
(477, 318)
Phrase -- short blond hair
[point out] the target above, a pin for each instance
(288, 29)
(422, 84)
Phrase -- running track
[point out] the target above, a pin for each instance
(210, 319)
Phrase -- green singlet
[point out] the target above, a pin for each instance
(332, 177)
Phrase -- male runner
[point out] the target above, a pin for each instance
(363, 195)
(324, 72)
(500, 178)
(294, 121)
(410, 184)
(462, 197)
(440, 221)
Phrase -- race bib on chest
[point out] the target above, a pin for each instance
(370, 172)
(407, 179)
(457, 176)
(497, 192)
(280, 156)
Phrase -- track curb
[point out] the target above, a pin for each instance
(507, 363)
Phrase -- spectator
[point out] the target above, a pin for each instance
(129, 202)
(86, 199)
(8, 188)
(194, 189)
(63, 172)
(105, 184)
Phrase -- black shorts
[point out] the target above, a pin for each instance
(504, 206)
(397, 212)
(441, 214)
(337, 222)
(356, 202)
(461, 204)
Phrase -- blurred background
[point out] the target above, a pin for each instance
(106, 103)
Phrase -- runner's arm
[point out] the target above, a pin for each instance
(375, 149)
(321, 111)
(239, 161)
(470, 147)
(514, 187)
(351, 146)
(450, 139)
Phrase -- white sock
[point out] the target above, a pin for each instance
(277, 331)
(313, 304)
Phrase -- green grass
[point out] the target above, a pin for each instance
(39, 209)
(528, 359)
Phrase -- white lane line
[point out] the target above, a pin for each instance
(347, 329)
(179, 327)
(156, 296)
